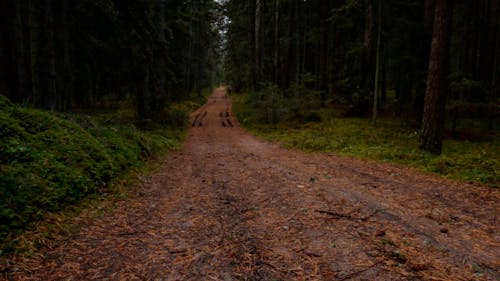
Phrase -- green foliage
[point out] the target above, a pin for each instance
(475, 161)
(49, 161)
(272, 106)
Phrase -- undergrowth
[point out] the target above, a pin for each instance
(49, 161)
(474, 160)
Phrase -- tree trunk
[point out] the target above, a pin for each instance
(144, 94)
(159, 60)
(5, 47)
(429, 9)
(252, 46)
(383, 79)
(297, 47)
(488, 46)
(437, 80)
(289, 47)
(276, 41)
(377, 64)
(258, 51)
(68, 76)
(34, 51)
(428, 21)
(46, 58)
(366, 68)
(19, 56)
(323, 53)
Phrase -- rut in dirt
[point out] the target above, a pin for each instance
(229, 206)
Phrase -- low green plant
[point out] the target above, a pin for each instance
(49, 161)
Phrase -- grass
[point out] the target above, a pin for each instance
(52, 162)
(473, 161)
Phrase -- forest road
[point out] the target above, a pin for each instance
(230, 206)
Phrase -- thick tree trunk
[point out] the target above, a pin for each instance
(428, 22)
(437, 81)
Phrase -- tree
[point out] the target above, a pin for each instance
(437, 80)
(377, 64)
(324, 52)
(258, 47)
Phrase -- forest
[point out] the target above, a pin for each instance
(373, 56)
(95, 94)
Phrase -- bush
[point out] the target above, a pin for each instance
(49, 160)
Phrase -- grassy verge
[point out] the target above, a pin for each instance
(473, 161)
(52, 162)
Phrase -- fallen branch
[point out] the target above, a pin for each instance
(335, 215)
(346, 216)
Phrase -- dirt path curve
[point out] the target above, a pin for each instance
(230, 206)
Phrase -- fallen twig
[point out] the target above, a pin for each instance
(351, 275)
(335, 215)
(346, 216)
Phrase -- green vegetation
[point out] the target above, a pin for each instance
(49, 161)
(470, 160)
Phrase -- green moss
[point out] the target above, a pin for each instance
(49, 161)
(474, 161)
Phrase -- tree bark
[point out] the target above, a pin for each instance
(287, 75)
(276, 41)
(19, 56)
(46, 57)
(258, 51)
(159, 60)
(489, 43)
(377, 64)
(323, 53)
(428, 22)
(437, 81)
(143, 93)
(366, 68)
(5, 57)
(34, 27)
(429, 9)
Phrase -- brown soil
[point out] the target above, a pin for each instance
(230, 206)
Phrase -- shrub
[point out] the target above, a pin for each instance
(51, 160)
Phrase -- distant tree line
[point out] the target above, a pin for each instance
(409, 57)
(56, 54)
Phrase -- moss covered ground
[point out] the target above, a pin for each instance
(51, 161)
(473, 158)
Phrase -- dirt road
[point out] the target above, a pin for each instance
(229, 206)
